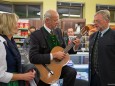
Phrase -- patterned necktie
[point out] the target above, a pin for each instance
(95, 53)
(99, 35)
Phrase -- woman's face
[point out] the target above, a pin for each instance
(15, 30)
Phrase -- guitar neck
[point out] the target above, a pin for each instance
(68, 47)
(72, 44)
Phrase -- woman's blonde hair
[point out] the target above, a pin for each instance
(8, 23)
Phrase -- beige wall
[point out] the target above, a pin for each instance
(89, 7)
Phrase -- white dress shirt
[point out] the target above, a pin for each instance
(4, 76)
(105, 30)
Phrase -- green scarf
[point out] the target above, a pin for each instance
(51, 40)
(11, 83)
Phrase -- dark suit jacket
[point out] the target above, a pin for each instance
(106, 56)
(39, 49)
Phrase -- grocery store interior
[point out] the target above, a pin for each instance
(71, 14)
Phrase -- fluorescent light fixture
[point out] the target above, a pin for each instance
(71, 15)
(3, 12)
(38, 13)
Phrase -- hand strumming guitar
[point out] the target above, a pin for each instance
(59, 55)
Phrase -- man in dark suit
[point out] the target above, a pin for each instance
(102, 52)
(42, 42)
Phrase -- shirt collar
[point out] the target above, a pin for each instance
(49, 30)
(102, 32)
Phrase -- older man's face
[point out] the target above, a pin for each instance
(99, 22)
(54, 21)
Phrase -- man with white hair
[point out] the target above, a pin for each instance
(43, 41)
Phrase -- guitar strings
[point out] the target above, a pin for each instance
(72, 44)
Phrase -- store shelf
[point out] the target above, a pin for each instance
(19, 37)
(23, 28)
(19, 42)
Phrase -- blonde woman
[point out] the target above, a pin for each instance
(10, 59)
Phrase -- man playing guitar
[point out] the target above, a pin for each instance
(43, 52)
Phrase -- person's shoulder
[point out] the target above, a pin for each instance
(38, 31)
(37, 34)
(112, 32)
(93, 34)
(2, 39)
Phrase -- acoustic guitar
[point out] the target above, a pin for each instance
(50, 73)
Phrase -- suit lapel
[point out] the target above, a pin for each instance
(92, 41)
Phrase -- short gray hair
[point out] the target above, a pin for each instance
(104, 13)
(47, 14)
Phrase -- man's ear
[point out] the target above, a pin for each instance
(47, 20)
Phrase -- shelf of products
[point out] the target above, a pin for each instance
(22, 33)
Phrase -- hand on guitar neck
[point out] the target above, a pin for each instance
(77, 43)
(83, 32)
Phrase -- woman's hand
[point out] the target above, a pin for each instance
(25, 76)
(29, 76)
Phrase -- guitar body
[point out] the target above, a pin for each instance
(55, 66)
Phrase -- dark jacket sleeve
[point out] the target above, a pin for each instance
(38, 49)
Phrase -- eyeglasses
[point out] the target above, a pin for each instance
(97, 21)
